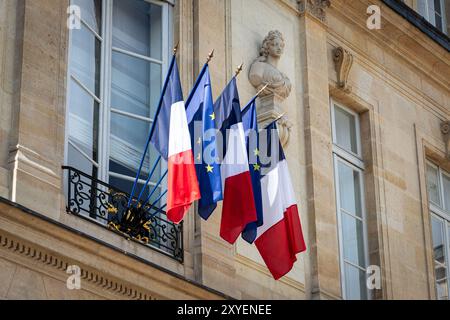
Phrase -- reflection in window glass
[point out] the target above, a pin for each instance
(349, 187)
(446, 189)
(85, 59)
(352, 232)
(355, 283)
(439, 253)
(135, 85)
(345, 127)
(137, 27)
(433, 185)
(83, 121)
(91, 13)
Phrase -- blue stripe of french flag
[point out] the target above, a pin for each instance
(173, 141)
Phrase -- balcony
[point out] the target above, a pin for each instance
(106, 206)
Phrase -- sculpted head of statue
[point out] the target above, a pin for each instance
(264, 68)
(273, 45)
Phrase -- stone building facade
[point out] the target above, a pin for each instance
(365, 129)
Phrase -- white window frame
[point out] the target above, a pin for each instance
(354, 161)
(441, 213)
(105, 108)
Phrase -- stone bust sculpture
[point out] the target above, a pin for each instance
(264, 69)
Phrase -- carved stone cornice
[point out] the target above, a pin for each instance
(59, 264)
(343, 60)
(315, 8)
(445, 129)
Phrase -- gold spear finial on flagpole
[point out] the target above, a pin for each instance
(175, 49)
(210, 56)
(262, 89)
(239, 69)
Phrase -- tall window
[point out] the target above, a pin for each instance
(117, 60)
(351, 217)
(434, 12)
(438, 183)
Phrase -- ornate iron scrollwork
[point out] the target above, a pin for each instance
(105, 205)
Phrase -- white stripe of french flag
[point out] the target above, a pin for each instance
(280, 238)
(182, 183)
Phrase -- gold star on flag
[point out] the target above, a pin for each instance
(256, 152)
(213, 116)
(256, 167)
(209, 168)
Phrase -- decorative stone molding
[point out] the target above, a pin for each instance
(269, 110)
(445, 129)
(60, 265)
(343, 60)
(315, 8)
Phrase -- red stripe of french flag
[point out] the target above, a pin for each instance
(238, 205)
(280, 238)
(182, 183)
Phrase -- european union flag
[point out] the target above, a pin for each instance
(250, 124)
(200, 110)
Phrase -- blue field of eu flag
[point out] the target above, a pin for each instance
(200, 108)
(250, 123)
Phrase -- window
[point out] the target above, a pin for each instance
(438, 185)
(434, 12)
(351, 216)
(117, 60)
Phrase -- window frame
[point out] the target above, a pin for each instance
(442, 214)
(104, 103)
(356, 163)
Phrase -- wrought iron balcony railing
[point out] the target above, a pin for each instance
(105, 205)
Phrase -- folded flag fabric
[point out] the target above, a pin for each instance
(200, 110)
(250, 124)
(238, 205)
(173, 141)
(280, 238)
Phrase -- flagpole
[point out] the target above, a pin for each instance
(200, 75)
(245, 109)
(210, 56)
(172, 63)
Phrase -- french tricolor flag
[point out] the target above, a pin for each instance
(280, 237)
(238, 205)
(173, 141)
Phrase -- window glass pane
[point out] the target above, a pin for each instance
(355, 283)
(83, 199)
(137, 27)
(440, 266)
(91, 13)
(85, 59)
(136, 85)
(422, 8)
(446, 186)
(433, 185)
(352, 232)
(437, 6)
(127, 142)
(349, 189)
(83, 120)
(127, 185)
(80, 162)
(345, 130)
